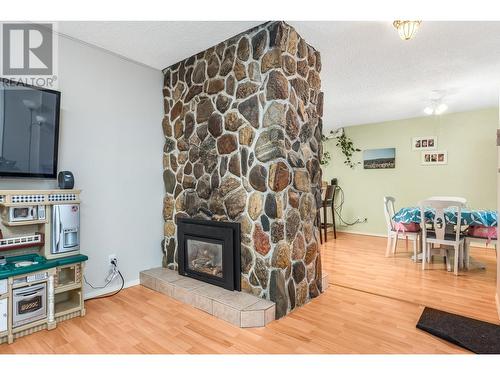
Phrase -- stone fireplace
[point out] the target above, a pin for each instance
(242, 132)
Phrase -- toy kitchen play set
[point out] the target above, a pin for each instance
(41, 268)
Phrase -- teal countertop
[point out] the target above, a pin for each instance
(40, 263)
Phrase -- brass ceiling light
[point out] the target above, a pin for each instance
(407, 29)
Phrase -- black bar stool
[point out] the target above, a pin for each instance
(328, 201)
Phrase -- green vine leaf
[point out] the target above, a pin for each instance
(346, 145)
(325, 160)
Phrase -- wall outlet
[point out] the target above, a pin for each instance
(113, 269)
(111, 258)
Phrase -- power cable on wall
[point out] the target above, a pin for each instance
(114, 271)
(338, 209)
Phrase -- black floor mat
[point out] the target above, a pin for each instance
(475, 335)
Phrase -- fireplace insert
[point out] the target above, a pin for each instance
(210, 251)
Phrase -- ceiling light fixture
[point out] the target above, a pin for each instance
(440, 109)
(435, 109)
(428, 110)
(407, 29)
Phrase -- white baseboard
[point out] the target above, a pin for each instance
(361, 233)
(109, 289)
(473, 243)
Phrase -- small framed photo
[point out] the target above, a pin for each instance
(434, 157)
(424, 143)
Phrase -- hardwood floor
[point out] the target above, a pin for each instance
(358, 262)
(342, 320)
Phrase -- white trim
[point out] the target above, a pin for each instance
(109, 289)
(481, 244)
(361, 233)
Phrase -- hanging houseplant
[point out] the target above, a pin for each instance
(346, 146)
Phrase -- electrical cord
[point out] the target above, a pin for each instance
(96, 287)
(111, 294)
(338, 209)
(105, 285)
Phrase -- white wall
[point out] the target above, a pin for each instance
(111, 138)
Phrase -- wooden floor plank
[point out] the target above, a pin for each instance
(371, 306)
(358, 262)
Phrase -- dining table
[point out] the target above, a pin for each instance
(469, 217)
(487, 218)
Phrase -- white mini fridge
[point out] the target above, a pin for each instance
(65, 228)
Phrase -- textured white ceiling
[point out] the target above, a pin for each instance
(158, 44)
(369, 74)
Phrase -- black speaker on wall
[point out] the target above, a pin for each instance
(65, 180)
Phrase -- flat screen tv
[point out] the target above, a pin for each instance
(29, 130)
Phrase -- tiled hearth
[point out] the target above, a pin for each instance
(238, 308)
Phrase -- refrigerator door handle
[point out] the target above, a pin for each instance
(57, 225)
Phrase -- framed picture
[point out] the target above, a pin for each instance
(380, 158)
(424, 143)
(434, 157)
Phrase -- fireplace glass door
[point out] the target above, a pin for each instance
(210, 251)
(205, 257)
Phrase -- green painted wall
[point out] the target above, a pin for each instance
(471, 172)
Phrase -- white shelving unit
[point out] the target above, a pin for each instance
(30, 240)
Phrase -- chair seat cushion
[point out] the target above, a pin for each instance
(407, 227)
(406, 231)
(481, 238)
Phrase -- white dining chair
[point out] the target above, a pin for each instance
(465, 256)
(449, 198)
(439, 235)
(393, 233)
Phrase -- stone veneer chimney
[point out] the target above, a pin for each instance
(243, 143)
